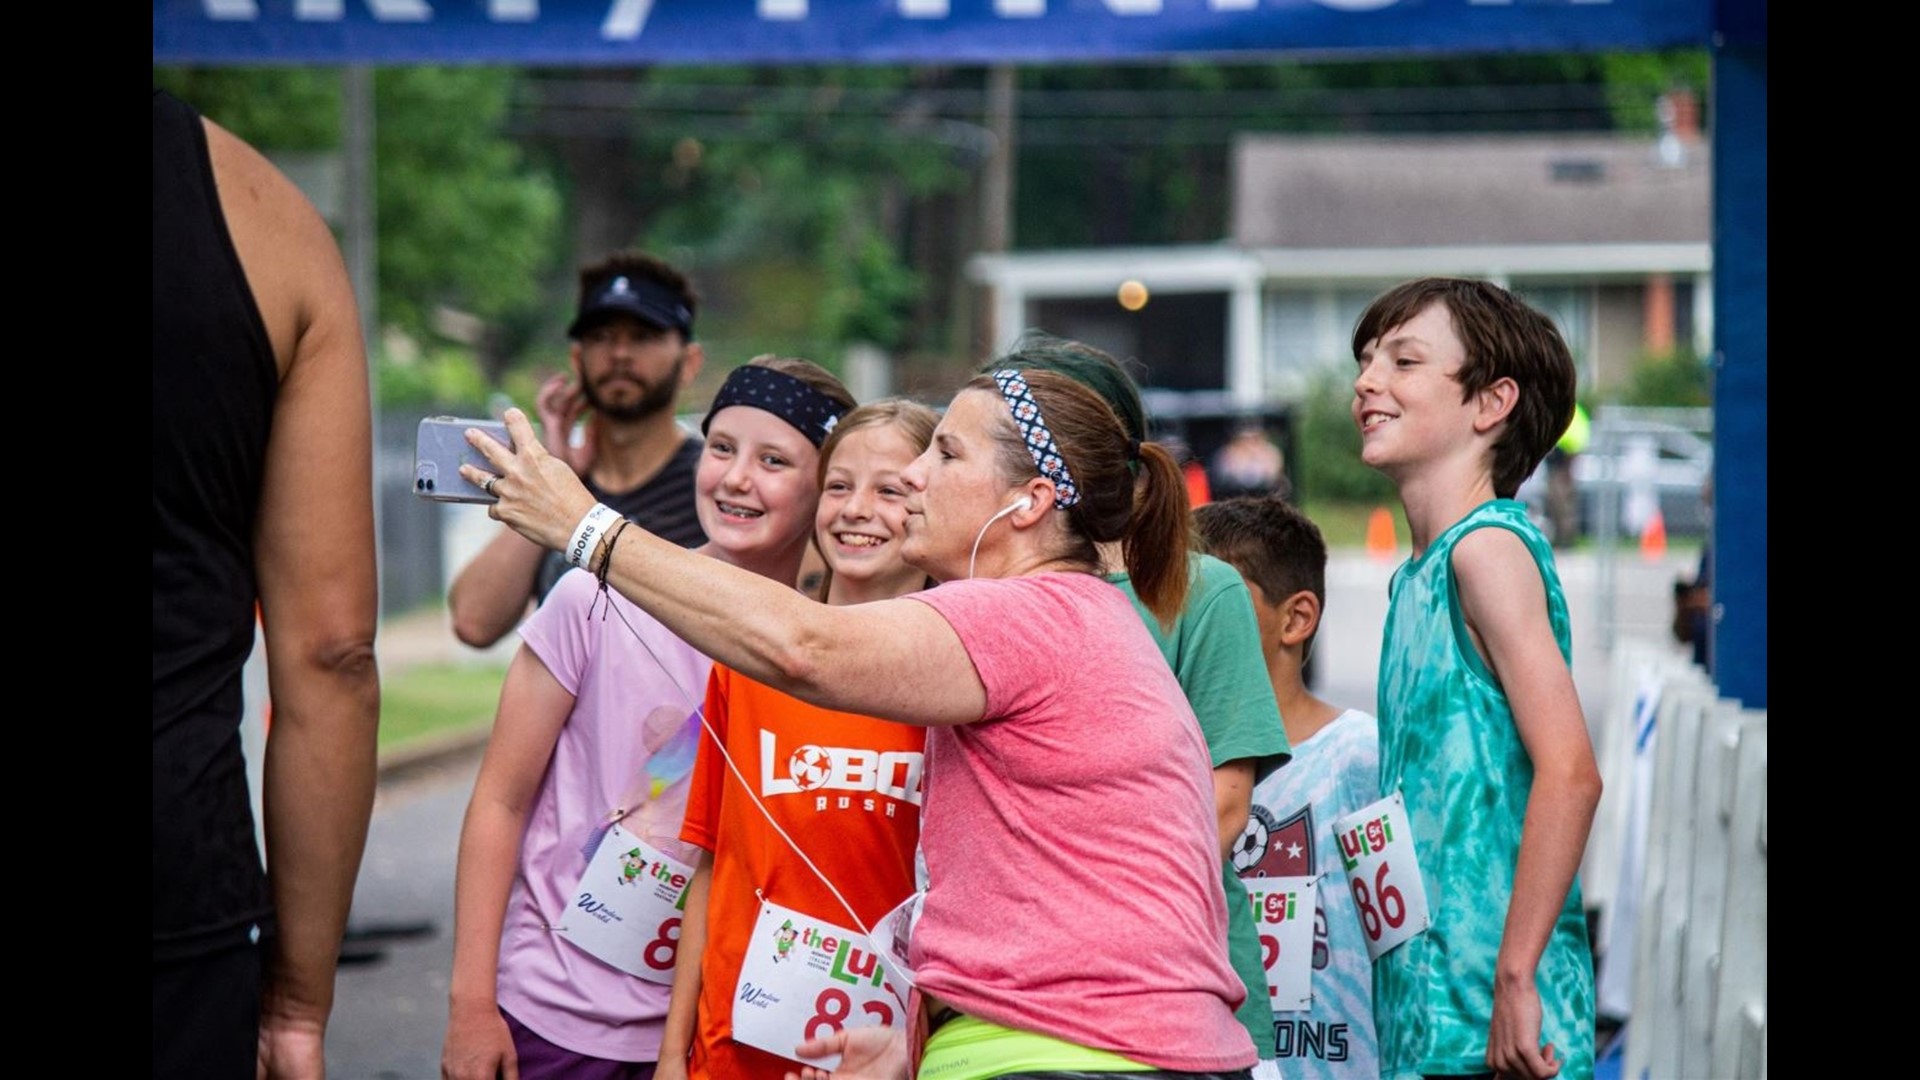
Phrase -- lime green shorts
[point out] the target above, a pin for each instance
(969, 1048)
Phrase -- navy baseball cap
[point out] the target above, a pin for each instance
(644, 299)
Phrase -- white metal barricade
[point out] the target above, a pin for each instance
(1679, 851)
(1739, 1008)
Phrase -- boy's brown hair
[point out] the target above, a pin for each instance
(1504, 338)
(1272, 544)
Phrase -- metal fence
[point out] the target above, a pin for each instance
(412, 529)
(1677, 865)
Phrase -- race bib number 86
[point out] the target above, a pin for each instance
(1389, 897)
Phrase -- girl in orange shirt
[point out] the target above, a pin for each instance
(846, 788)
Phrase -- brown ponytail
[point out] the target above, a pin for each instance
(1159, 535)
(1148, 514)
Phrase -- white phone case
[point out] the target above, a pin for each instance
(440, 448)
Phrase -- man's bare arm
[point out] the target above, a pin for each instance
(491, 594)
(314, 557)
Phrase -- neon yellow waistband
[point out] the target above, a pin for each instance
(969, 1048)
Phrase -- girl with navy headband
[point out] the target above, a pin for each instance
(585, 781)
(847, 788)
(1074, 918)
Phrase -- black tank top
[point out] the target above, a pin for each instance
(214, 383)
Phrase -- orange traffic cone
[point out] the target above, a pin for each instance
(1380, 542)
(1653, 539)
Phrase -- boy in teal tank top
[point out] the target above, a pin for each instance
(1462, 388)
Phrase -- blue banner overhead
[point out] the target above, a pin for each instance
(631, 32)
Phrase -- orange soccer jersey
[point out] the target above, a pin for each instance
(846, 788)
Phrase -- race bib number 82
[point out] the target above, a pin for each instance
(1283, 914)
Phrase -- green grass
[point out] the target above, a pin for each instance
(431, 699)
(1344, 524)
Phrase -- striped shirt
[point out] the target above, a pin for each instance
(663, 506)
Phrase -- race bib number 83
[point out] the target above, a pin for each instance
(804, 978)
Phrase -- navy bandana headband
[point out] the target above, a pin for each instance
(811, 412)
(1033, 431)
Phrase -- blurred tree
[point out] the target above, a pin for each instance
(1328, 447)
(1141, 154)
(818, 206)
(275, 108)
(1636, 80)
(465, 223)
(798, 198)
(1676, 378)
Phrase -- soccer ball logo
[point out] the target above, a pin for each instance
(1251, 846)
(809, 767)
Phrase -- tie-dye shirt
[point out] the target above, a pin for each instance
(1290, 834)
(1448, 742)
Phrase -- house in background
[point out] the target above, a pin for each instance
(1609, 234)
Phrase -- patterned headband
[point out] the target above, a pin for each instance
(1046, 456)
(811, 412)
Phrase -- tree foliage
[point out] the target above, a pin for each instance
(1141, 154)
(820, 168)
(1677, 378)
(464, 221)
(1328, 445)
(819, 206)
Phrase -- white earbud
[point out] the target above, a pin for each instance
(1024, 502)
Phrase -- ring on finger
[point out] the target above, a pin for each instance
(487, 485)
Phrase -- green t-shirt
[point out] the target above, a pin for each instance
(1449, 744)
(1213, 648)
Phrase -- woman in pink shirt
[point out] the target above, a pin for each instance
(1074, 917)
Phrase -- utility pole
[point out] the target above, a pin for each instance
(996, 193)
(358, 245)
(359, 227)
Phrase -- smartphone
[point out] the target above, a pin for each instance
(440, 448)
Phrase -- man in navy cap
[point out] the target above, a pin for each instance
(632, 353)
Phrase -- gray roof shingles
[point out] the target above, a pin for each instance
(1342, 192)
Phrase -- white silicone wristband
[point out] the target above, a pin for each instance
(586, 535)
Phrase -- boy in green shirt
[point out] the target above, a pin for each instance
(1461, 390)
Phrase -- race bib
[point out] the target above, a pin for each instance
(626, 910)
(894, 936)
(1283, 913)
(1389, 898)
(804, 978)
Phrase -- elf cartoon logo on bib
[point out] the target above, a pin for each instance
(805, 977)
(627, 908)
(783, 940)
